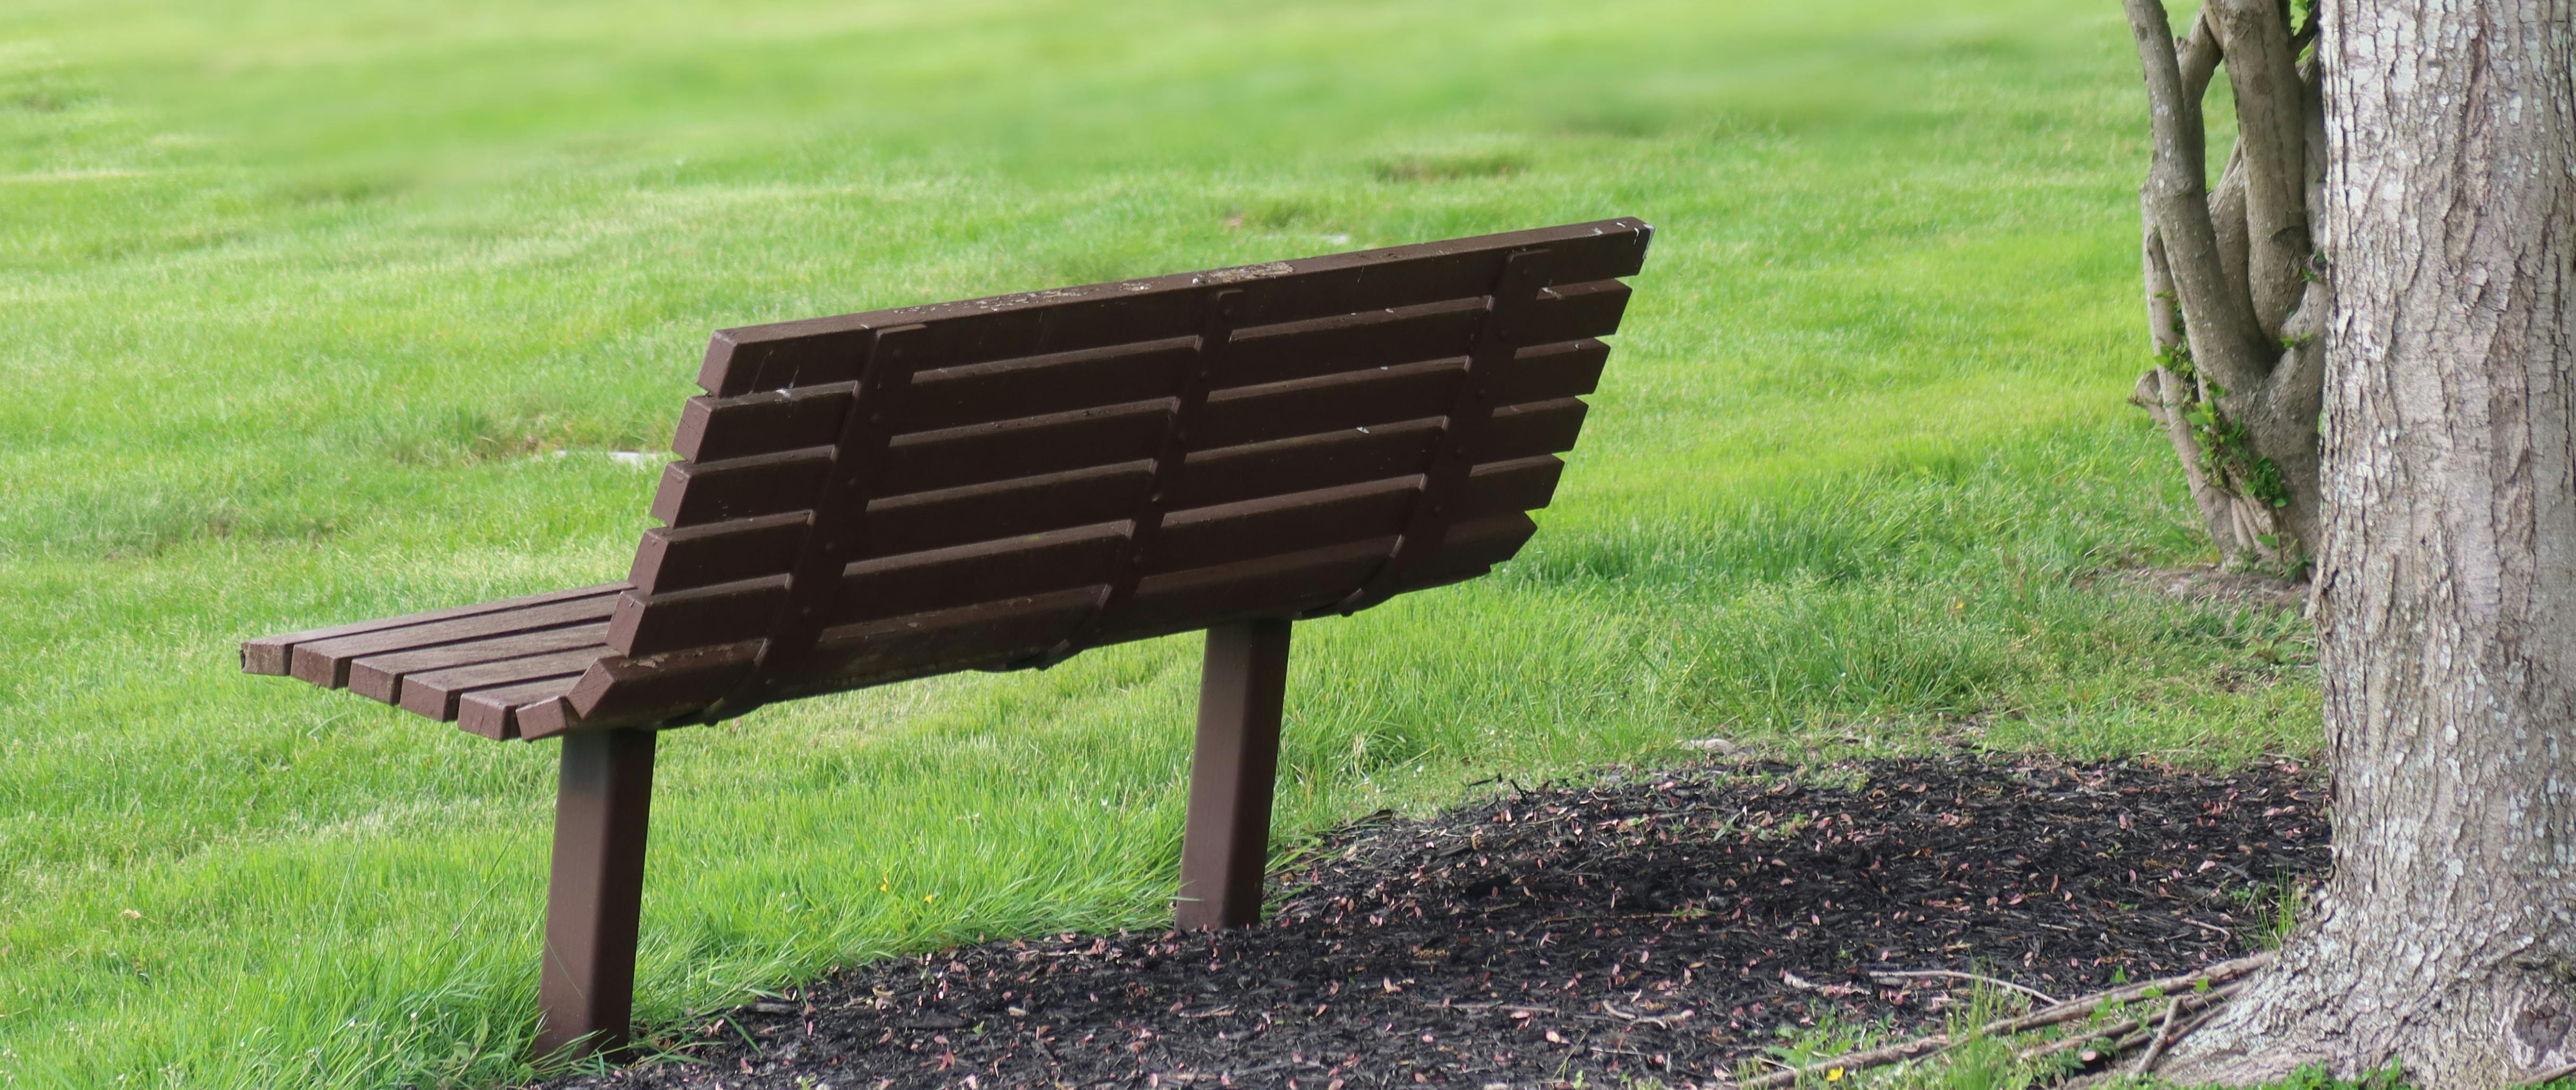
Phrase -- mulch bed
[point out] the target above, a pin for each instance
(1667, 924)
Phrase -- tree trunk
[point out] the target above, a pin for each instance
(2446, 939)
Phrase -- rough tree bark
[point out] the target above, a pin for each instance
(2446, 592)
(2234, 295)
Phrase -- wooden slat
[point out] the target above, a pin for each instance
(619, 691)
(1270, 585)
(1569, 313)
(978, 453)
(1330, 403)
(947, 397)
(493, 713)
(819, 351)
(682, 619)
(984, 634)
(326, 662)
(1020, 567)
(1529, 430)
(1549, 372)
(434, 693)
(693, 493)
(1471, 549)
(1362, 341)
(674, 559)
(273, 654)
(1325, 461)
(715, 429)
(1029, 505)
(1351, 399)
(379, 677)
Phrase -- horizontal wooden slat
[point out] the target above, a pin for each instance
(987, 570)
(1325, 461)
(379, 677)
(1549, 372)
(1331, 403)
(1028, 505)
(1470, 549)
(1335, 402)
(434, 693)
(984, 634)
(676, 620)
(1576, 311)
(673, 559)
(715, 429)
(1305, 463)
(273, 654)
(1271, 585)
(693, 493)
(826, 350)
(955, 457)
(947, 397)
(326, 662)
(627, 691)
(493, 713)
(1529, 430)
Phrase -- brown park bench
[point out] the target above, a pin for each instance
(1003, 482)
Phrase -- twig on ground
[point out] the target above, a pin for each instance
(1892, 975)
(2069, 1044)
(1665, 1020)
(2164, 1036)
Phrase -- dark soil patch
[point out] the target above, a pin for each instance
(1658, 925)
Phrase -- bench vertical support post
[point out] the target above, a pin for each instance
(1232, 770)
(586, 991)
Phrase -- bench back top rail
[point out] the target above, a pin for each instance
(1002, 482)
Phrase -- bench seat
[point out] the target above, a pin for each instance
(477, 666)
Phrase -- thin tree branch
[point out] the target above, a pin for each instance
(2198, 54)
(2160, 392)
(2156, 1044)
(1906, 974)
(2222, 325)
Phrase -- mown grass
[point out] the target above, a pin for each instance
(315, 312)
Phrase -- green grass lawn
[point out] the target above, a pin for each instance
(317, 312)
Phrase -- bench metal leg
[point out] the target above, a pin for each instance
(1227, 843)
(586, 992)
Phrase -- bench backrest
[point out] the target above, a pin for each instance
(1003, 482)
